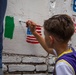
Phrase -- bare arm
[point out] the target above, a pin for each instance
(41, 40)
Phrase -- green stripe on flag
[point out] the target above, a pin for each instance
(9, 27)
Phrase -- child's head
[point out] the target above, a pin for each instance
(60, 27)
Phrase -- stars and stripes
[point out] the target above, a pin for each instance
(74, 5)
(30, 37)
(74, 21)
(75, 27)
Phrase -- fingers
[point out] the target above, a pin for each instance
(30, 23)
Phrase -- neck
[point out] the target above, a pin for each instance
(61, 48)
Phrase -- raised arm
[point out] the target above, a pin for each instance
(41, 40)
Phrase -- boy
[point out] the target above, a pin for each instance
(58, 31)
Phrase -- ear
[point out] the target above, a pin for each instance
(51, 39)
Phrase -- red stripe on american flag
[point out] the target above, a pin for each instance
(35, 42)
(38, 28)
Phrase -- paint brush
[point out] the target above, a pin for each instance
(25, 23)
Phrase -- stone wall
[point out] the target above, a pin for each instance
(27, 65)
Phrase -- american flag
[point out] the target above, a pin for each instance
(74, 5)
(74, 20)
(30, 37)
(75, 27)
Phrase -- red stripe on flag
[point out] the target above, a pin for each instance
(38, 28)
(36, 42)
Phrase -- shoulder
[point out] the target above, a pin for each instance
(64, 68)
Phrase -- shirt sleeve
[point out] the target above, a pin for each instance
(64, 69)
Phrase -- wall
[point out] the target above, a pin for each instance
(20, 57)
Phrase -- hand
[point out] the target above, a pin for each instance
(31, 25)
